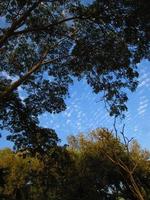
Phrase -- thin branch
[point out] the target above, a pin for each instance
(115, 128)
(134, 187)
(53, 60)
(135, 166)
(48, 27)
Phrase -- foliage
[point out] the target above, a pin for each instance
(45, 44)
(17, 173)
(90, 170)
(107, 170)
(31, 178)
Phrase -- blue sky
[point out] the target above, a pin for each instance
(85, 112)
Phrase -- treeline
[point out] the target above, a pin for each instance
(93, 167)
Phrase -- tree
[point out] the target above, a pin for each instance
(107, 170)
(35, 140)
(26, 177)
(44, 44)
(18, 174)
(89, 169)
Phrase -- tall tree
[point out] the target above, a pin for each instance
(44, 44)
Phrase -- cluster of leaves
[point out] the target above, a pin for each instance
(89, 168)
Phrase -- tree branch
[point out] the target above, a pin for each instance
(33, 69)
(16, 24)
(48, 27)
(17, 83)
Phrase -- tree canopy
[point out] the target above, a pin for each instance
(97, 166)
(45, 44)
(108, 169)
